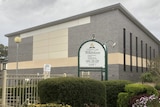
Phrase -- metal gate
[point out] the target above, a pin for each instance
(21, 89)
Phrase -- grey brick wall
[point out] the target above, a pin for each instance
(124, 22)
(106, 26)
(102, 25)
(25, 49)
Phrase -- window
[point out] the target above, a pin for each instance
(154, 53)
(141, 55)
(124, 48)
(137, 54)
(146, 56)
(130, 51)
(150, 53)
(159, 50)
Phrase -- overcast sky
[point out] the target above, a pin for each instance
(17, 15)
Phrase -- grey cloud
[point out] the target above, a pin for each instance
(25, 7)
(20, 14)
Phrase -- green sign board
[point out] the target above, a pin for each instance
(92, 55)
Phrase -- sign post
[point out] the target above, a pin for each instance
(92, 55)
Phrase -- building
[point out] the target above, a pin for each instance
(57, 43)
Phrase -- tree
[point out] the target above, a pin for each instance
(3, 51)
(3, 54)
(154, 68)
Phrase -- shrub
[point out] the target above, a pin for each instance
(113, 87)
(137, 89)
(157, 86)
(123, 99)
(147, 77)
(73, 91)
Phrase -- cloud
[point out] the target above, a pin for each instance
(21, 14)
(147, 13)
(20, 10)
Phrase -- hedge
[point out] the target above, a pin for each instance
(73, 91)
(113, 87)
(137, 89)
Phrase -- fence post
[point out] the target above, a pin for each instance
(4, 72)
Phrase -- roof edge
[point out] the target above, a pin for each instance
(89, 13)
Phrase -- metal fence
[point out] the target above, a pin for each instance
(21, 89)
